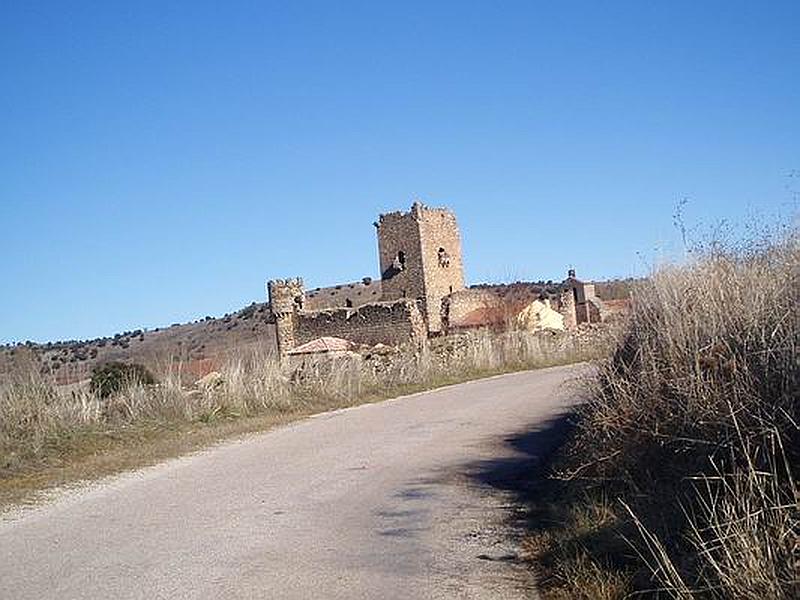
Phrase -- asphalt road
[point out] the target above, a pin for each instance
(409, 498)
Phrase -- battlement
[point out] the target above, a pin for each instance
(286, 295)
(287, 281)
(418, 211)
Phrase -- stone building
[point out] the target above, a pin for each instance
(420, 257)
(421, 292)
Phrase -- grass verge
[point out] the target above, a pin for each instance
(50, 437)
(679, 480)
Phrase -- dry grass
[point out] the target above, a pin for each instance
(692, 430)
(50, 435)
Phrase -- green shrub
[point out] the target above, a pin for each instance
(112, 377)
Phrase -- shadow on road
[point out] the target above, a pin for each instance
(544, 508)
(523, 471)
(520, 472)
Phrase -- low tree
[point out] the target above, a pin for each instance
(111, 377)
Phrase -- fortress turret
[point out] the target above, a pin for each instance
(286, 297)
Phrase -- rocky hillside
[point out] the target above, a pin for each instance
(196, 348)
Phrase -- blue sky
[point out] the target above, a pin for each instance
(160, 160)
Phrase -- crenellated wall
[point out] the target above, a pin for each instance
(390, 323)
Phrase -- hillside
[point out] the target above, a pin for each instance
(197, 347)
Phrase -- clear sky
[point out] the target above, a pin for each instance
(160, 160)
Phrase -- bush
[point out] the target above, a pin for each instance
(113, 377)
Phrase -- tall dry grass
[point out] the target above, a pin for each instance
(41, 423)
(692, 427)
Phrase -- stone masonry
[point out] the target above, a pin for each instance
(286, 299)
(391, 323)
(420, 258)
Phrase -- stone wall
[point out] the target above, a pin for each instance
(465, 306)
(568, 308)
(478, 308)
(390, 323)
(497, 306)
(617, 308)
(582, 313)
(399, 256)
(591, 311)
(442, 262)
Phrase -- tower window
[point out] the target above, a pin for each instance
(398, 265)
(444, 258)
(348, 303)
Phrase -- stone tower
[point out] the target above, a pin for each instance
(420, 258)
(286, 297)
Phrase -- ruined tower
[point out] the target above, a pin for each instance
(420, 258)
(286, 297)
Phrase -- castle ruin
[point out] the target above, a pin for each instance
(421, 291)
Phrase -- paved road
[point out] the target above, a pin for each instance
(409, 498)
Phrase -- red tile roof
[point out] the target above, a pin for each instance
(323, 344)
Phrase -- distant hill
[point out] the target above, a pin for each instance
(196, 348)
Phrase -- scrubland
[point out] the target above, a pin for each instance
(680, 478)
